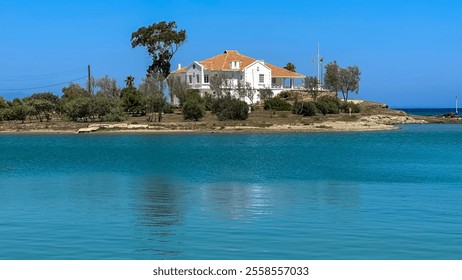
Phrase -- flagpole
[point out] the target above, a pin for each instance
(318, 61)
(319, 68)
(457, 109)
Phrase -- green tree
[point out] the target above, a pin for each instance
(105, 107)
(43, 105)
(41, 108)
(162, 41)
(344, 80)
(78, 108)
(73, 91)
(277, 104)
(130, 81)
(290, 66)
(132, 102)
(16, 101)
(20, 111)
(228, 108)
(193, 107)
(3, 103)
(3, 106)
(305, 108)
(328, 104)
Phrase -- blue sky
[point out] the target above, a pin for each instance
(409, 52)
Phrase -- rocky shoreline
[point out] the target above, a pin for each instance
(361, 123)
(373, 117)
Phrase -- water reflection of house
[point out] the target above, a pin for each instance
(238, 71)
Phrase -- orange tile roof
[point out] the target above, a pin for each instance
(222, 62)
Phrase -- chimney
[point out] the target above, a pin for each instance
(179, 66)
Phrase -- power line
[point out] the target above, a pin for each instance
(40, 87)
(80, 69)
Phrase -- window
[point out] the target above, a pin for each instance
(198, 79)
(190, 79)
(261, 78)
(234, 64)
(273, 80)
(206, 79)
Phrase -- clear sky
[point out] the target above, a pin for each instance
(409, 52)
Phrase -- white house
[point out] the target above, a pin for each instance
(238, 70)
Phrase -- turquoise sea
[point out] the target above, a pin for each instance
(369, 195)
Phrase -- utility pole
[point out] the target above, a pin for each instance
(89, 80)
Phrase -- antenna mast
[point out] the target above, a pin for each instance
(319, 61)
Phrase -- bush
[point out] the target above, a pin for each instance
(117, 115)
(169, 108)
(20, 112)
(78, 108)
(266, 93)
(305, 108)
(328, 104)
(193, 107)
(6, 114)
(227, 108)
(284, 94)
(277, 104)
(355, 108)
(132, 101)
(187, 94)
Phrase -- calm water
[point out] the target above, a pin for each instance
(429, 111)
(378, 195)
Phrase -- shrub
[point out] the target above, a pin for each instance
(227, 108)
(208, 101)
(305, 108)
(21, 112)
(277, 104)
(193, 107)
(78, 108)
(355, 108)
(187, 94)
(284, 94)
(266, 93)
(115, 116)
(6, 114)
(169, 108)
(132, 101)
(328, 104)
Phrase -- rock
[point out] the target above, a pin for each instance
(87, 129)
(137, 126)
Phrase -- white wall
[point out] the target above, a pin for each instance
(252, 75)
(194, 70)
